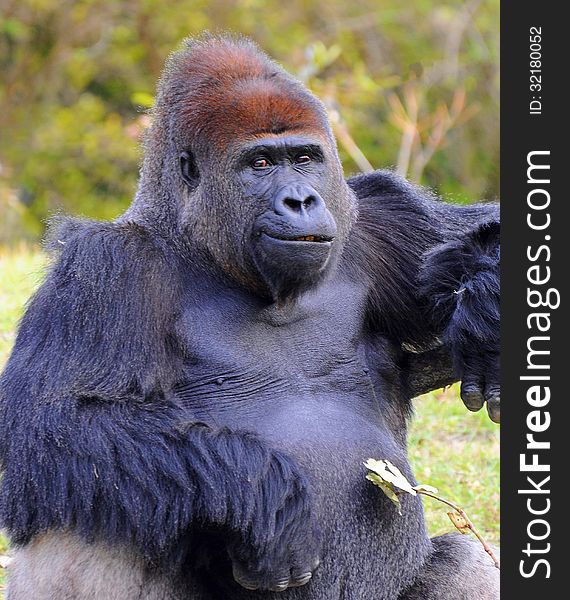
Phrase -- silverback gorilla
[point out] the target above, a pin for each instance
(194, 388)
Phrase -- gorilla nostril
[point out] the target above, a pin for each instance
(298, 205)
(293, 204)
(299, 202)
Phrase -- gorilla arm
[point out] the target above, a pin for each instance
(92, 441)
(435, 281)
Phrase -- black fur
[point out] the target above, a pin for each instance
(460, 278)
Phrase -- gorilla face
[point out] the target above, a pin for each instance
(293, 236)
(289, 206)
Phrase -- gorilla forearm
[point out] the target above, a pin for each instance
(111, 471)
(397, 246)
(428, 371)
(460, 280)
(133, 473)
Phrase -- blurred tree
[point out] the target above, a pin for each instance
(412, 86)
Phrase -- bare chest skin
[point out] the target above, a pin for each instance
(293, 373)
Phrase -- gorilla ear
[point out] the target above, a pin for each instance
(189, 170)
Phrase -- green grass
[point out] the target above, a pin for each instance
(450, 448)
(21, 270)
(457, 452)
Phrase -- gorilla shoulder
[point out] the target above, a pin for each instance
(102, 310)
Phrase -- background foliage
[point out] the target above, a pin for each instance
(410, 85)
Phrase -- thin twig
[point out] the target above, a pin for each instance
(348, 143)
(468, 523)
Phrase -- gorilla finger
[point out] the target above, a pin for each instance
(300, 579)
(248, 584)
(472, 395)
(472, 383)
(300, 575)
(245, 579)
(261, 581)
(494, 406)
(277, 582)
(279, 586)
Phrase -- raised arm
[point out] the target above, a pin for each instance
(433, 272)
(93, 441)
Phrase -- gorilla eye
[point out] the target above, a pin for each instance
(260, 163)
(302, 159)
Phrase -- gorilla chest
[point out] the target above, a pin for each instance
(250, 365)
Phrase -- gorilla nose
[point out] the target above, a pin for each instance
(299, 201)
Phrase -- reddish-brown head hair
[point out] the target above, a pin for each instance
(222, 89)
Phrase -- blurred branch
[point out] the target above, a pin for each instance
(422, 138)
(455, 37)
(406, 119)
(348, 143)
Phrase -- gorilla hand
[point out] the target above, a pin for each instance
(460, 282)
(280, 549)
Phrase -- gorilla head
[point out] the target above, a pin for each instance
(242, 163)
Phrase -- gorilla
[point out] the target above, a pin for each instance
(195, 386)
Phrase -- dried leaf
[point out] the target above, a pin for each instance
(459, 522)
(390, 474)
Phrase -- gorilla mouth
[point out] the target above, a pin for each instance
(319, 239)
